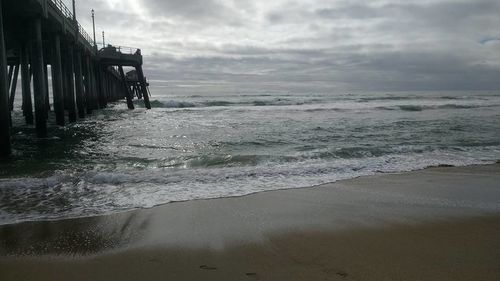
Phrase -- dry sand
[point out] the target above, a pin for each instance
(435, 224)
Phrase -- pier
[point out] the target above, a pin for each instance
(38, 34)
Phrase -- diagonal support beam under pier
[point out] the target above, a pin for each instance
(129, 93)
(142, 81)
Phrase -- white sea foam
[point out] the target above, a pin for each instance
(237, 146)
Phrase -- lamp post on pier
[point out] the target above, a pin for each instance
(103, 41)
(93, 28)
(77, 29)
(74, 11)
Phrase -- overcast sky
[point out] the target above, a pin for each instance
(307, 45)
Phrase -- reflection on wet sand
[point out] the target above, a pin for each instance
(72, 237)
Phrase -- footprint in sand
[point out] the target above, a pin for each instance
(206, 267)
(342, 274)
(252, 274)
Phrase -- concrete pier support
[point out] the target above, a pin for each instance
(108, 92)
(9, 76)
(39, 79)
(114, 87)
(94, 81)
(80, 96)
(110, 87)
(26, 83)
(64, 76)
(95, 84)
(98, 84)
(128, 93)
(70, 83)
(136, 91)
(13, 87)
(104, 85)
(57, 80)
(46, 83)
(5, 146)
(89, 93)
(103, 88)
(142, 80)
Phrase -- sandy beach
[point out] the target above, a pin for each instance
(435, 224)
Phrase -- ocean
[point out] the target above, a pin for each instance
(208, 146)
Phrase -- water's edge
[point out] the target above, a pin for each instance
(106, 214)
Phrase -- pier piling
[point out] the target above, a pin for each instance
(80, 100)
(142, 81)
(38, 34)
(5, 146)
(46, 83)
(93, 84)
(13, 87)
(26, 83)
(70, 80)
(87, 84)
(128, 93)
(11, 71)
(39, 79)
(57, 81)
(102, 84)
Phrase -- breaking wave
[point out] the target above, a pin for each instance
(431, 107)
(222, 103)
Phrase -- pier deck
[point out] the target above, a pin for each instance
(36, 34)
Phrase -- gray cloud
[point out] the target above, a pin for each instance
(196, 12)
(310, 45)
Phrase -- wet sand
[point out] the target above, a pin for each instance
(435, 224)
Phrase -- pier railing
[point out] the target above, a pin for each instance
(85, 35)
(62, 7)
(127, 50)
(122, 49)
(69, 15)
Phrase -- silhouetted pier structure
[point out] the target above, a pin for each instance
(38, 33)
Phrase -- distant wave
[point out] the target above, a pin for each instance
(389, 98)
(222, 103)
(297, 102)
(412, 97)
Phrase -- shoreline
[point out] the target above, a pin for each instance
(434, 224)
(376, 173)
